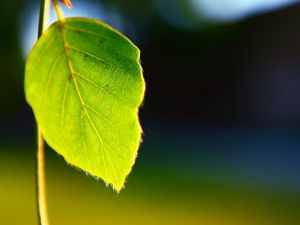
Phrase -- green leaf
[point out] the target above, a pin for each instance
(84, 83)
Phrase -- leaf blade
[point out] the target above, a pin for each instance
(93, 86)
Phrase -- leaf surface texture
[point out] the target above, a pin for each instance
(84, 83)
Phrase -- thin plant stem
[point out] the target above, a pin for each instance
(58, 10)
(40, 155)
(41, 181)
(44, 16)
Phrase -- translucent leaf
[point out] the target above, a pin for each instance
(84, 83)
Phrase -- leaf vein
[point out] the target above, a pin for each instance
(100, 87)
(39, 57)
(63, 107)
(45, 98)
(99, 114)
(89, 54)
(67, 47)
(68, 27)
(102, 144)
(84, 140)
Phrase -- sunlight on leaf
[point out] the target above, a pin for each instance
(85, 85)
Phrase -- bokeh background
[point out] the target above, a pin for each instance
(221, 117)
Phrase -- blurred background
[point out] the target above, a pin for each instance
(221, 117)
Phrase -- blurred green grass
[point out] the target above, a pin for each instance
(153, 195)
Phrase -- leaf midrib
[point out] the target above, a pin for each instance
(83, 105)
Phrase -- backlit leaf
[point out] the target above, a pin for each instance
(84, 83)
